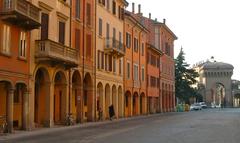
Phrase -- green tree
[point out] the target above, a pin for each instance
(184, 78)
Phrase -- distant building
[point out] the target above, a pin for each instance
(214, 82)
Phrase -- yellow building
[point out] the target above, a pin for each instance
(51, 60)
(110, 52)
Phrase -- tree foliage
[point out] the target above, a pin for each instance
(184, 78)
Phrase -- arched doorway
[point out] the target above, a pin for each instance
(75, 100)
(142, 103)
(107, 99)
(220, 94)
(120, 102)
(100, 100)
(42, 98)
(6, 99)
(60, 98)
(115, 99)
(127, 103)
(88, 98)
(135, 103)
(19, 108)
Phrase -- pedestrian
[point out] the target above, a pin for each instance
(100, 114)
(111, 112)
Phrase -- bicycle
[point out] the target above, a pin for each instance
(69, 119)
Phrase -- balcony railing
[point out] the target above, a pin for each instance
(56, 53)
(114, 47)
(20, 12)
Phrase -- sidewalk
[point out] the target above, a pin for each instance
(40, 131)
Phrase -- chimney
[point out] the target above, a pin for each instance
(133, 7)
(164, 21)
(139, 8)
(150, 15)
(156, 19)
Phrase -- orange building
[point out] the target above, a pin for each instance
(160, 72)
(83, 77)
(135, 80)
(166, 42)
(17, 19)
(86, 55)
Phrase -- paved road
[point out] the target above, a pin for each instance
(207, 126)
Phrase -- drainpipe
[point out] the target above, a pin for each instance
(132, 69)
(69, 72)
(94, 63)
(140, 69)
(82, 119)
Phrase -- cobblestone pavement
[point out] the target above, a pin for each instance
(207, 126)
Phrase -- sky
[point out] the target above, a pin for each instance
(204, 28)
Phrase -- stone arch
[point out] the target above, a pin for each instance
(107, 99)
(75, 99)
(88, 98)
(135, 103)
(100, 100)
(19, 110)
(42, 98)
(115, 99)
(128, 104)
(120, 101)
(6, 98)
(60, 97)
(143, 103)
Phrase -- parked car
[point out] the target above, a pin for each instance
(203, 104)
(196, 106)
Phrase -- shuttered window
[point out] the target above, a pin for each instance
(128, 70)
(120, 66)
(44, 26)
(6, 39)
(114, 7)
(143, 49)
(128, 40)
(110, 63)
(88, 14)
(119, 12)
(77, 9)
(61, 32)
(102, 63)
(77, 39)
(100, 27)
(89, 45)
(99, 59)
(22, 44)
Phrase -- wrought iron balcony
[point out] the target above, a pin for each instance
(56, 53)
(114, 47)
(21, 13)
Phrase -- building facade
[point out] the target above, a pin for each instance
(135, 98)
(110, 51)
(17, 19)
(82, 78)
(78, 57)
(161, 64)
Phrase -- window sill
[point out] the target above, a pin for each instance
(6, 54)
(78, 20)
(22, 58)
